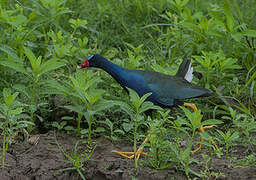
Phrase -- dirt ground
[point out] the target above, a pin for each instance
(42, 160)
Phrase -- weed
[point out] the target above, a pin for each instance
(135, 111)
(76, 159)
(86, 100)
(11, 116)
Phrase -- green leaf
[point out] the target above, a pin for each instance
(134, 97)
(99, 130)
(249, 33)
(126, 107)
(67, 118)
(144, 97)
(10, 99)
(17, 20)
(15, 66)
(187, 113)
(204, 24)
(50, 65)
(35, 63)
(8, 50)
(6, 92)
(22, 88)
(194, 118)
(205, 135)
(221, 133)
(71, 128)
(127, 126)
(78, 109)
(237, 36)
(211, 122)
(119, 131)
(63, 123)
(16, 111)
(227, 7)
(148, 105)
(55, 124)
(25, 123)
(184, 3)
(234, 136)
(103, 105)
(107, 122)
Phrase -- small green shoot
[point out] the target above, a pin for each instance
(228, 139)
(76, 159)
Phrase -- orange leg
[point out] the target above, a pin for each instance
(201, 129)
(130, 155)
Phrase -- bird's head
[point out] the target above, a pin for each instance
(89, 62)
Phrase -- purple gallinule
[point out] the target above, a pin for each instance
(167, 91)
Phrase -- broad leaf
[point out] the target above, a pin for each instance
(147, 106)
(16, 111)
(211, 122)
(15, 66)
(50, 65)
(35, 63)
(10, 52)
(78, 109)
(135, 99)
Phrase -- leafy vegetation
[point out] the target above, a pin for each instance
(11, 114)
(42, 42)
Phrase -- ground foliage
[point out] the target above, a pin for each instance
(43, 41)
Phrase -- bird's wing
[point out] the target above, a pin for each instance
(165, 101)
(167, 89)
(172, 87)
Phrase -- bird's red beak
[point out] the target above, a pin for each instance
(84, 64)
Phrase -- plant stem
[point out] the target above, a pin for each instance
(32, 103)
(3, 153)
(90, 128)
(135, 141)
(79, 124)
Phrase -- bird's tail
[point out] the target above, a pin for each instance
(185, 70)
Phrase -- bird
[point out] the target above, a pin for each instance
(166, 91)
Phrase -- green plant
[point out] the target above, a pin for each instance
(76, 159)
(113, 132)
(87, 100)
(216, 68)
(134, 58)
(161, 148)
(248, 161)
(243, 123)
(35, 72)
(208, 169)
(228, 139)
(11, 116)
(59, 126)
(135, 110)
(193, 122)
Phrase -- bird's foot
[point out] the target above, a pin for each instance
(130, 155)
(192, 106)
(202, 129)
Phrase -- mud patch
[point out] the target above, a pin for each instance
(44, 160)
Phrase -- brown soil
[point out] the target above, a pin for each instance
(44, 159)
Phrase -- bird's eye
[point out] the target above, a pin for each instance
(90, 57)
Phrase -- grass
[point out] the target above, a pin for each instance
(43, 41)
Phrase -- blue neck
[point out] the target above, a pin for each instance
(117, 72)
